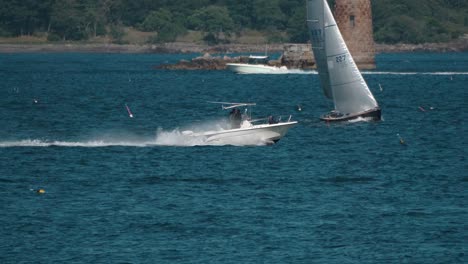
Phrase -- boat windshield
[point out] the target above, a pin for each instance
(258, 59)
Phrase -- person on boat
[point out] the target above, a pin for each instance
(235, 118)
(272, 120)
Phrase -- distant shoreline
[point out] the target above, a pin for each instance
(460, 45)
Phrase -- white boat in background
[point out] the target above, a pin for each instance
(243, 130)
(339, 76)
(256, 65)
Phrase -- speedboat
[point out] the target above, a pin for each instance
(255, 65)
(243, 130)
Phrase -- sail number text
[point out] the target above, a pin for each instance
(341, 58)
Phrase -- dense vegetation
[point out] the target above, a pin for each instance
(407, 21)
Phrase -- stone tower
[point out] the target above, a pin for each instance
(354, 19)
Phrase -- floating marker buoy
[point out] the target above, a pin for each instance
(422, 109)
(40, 191)
(129, 112)
(35, 101)
(299, 108)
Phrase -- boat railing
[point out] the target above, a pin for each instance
(258, 120)
(272, 119)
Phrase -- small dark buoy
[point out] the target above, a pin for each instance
(402, 141)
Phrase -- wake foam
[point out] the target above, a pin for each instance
(414, 73)
(163, 138)
(175, 137)
(89, 144)
(299, 71)
(284, 71)
(360, 119)
(186, 139)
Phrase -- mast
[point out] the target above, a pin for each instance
(315, 22)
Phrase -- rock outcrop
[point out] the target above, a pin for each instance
(297, 56)
(294, 57)
(205, 62)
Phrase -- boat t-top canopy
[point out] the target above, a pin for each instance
(232, 105)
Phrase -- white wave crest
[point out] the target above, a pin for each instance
(414, 73)
(90, 144)
(360, 119)
(176, 138)
(285, 71)
(186, 138)
(300, 71)
(163, 138)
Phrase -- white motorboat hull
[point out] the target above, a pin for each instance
(244, 68)
(257, 134)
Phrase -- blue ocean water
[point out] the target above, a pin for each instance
(130, 190)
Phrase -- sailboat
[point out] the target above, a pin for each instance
(339, 76)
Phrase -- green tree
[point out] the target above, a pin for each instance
(297, 26)
(117, 33)
(133, 12)
(156, 20)
(23, 17)
(214, 20)
(164, 22)
(394, 21)
(241, 12)
(67, 20)
(94, 16)
(268, 15)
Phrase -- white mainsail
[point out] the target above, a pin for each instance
(339, 76)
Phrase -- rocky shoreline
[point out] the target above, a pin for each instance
(293, 56)
(460, 45)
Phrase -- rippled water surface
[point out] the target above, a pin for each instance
(134, 190)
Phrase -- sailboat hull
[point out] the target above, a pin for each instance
(371, 115)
